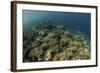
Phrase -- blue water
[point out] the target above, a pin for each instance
(72, 20)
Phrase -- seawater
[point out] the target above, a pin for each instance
(70, 20)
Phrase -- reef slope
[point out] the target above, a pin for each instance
(47, 41)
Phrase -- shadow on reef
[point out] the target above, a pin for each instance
(47, 41)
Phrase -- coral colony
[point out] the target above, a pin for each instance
(46, 41)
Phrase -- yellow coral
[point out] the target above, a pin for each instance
(48, 54)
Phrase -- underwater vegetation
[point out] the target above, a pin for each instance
(47, 41)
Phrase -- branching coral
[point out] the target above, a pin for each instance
(47, 41)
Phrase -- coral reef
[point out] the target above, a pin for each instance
(47, 41)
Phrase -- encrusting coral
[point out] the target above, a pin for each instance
(47, 41)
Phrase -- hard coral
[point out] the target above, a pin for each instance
(47, 41)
